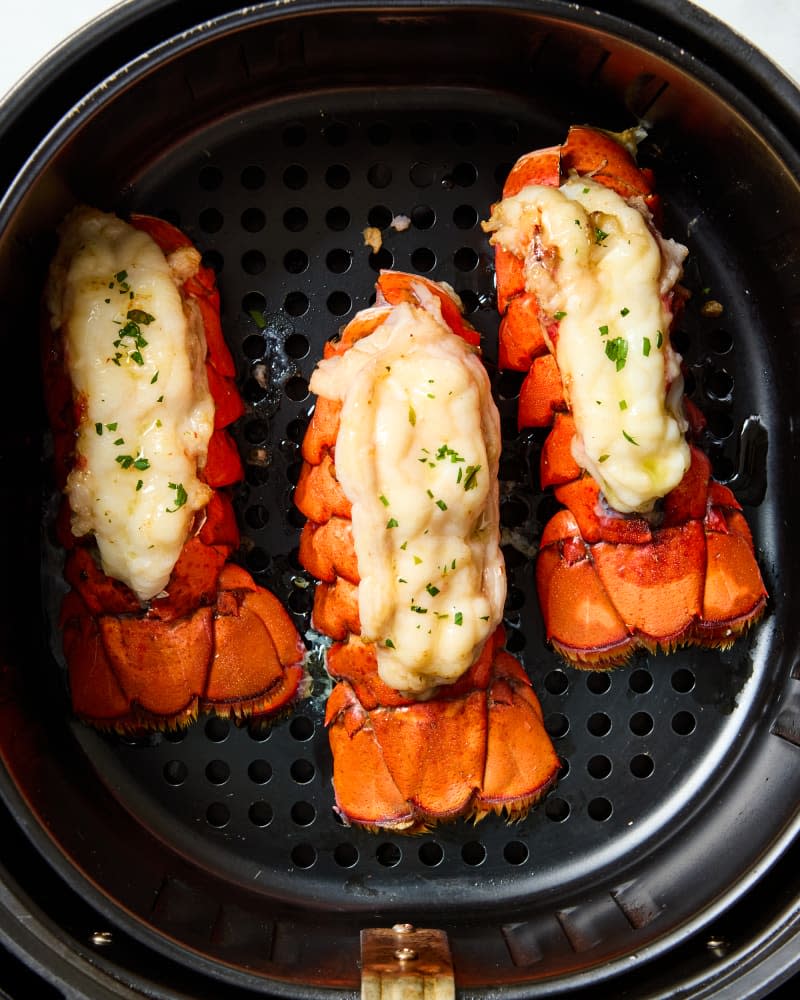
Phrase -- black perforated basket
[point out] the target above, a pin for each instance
(210, 862)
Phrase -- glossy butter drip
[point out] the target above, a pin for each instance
(145, 414)
(602, 274)
(417, 455)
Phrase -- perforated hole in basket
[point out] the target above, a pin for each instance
(278, 207)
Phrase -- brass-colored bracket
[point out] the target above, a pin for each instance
(406, 963)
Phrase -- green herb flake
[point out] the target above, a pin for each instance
(624, 311)
(623, 405)
(458, 618)
(98, 429)
(646, 346)
(599, 236)
(126, 461)
(160, 399)
(389, 644)
(617, 351)
(417, 560)
(258, 318)
(140, 316)
(120, 441)
(120, 276)
(629, 438)
(559, 315)
(139, 484)
(433, 591)
(181, 497)
(391, 523)
(404, 546)
(471, 477)
(441, 505)
(154, 379)
(419, 610)
(383, 500)
(659, 339)
(586, 190)
(603, 330)
(412, 416)
(603, 458)
(142, 464)
(111, 427)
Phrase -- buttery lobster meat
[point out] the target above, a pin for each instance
(158, 625)
(649, 551)
(430, 719)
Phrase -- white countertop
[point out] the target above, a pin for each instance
(34, 27)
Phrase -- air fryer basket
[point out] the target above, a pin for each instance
(665, 859)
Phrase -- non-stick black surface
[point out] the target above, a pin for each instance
(279, 207)
(218, 846)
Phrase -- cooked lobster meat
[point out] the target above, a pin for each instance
(158, 624)
(649, 551)
(430, 719)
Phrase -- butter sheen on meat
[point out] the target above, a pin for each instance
(599, 268)
(417, 456)
(144, 413)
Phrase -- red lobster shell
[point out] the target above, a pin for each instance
(609, 583)
(214, 640)
(478, 745)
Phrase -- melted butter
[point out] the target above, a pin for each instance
(596, 266)
(144, 427)
(417, 456)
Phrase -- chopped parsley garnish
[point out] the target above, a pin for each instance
(111, 427)
(129, 462)
(617, 351)
(659, 338)
(419, 610)
(98, 429)
(388, 644)
(447, 452)
(120, 441)
(624, 311)
(140, 316)
(153, 381)
(412, 416)
(471, 477)
(623, 405)
(559, 315)
(181, 497)
(599, 236)
(441, 505)
(258, 318)
(603, 458)
(139, 485)
(646, 346)
(383, 500)
(433, 591)
(603, 330)
(458, 618)
(391, 523)
(417, 560)
(629, 438)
